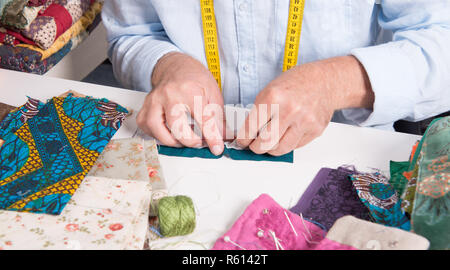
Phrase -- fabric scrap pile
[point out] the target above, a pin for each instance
(347, 209)
(36, 35)
(56, 183)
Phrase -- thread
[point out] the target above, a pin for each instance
(176, 216)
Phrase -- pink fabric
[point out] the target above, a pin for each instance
(264, 214)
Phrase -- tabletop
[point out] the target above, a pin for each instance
(222, 188)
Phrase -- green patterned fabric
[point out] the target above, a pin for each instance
(398, 181)
(430, 216)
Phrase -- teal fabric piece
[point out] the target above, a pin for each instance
(228, 152)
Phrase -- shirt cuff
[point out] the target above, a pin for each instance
(391, 75)
(152, 56)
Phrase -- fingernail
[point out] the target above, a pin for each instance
(217, 150)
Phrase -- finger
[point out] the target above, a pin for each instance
(307, 138)
(288, 142)
(258, 118)
(152, 122)
(268, 137)
(209, 116)
(178, 123)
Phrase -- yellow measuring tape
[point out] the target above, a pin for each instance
(296, 10)
(210, 39)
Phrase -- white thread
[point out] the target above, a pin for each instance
(228, 240)
(276, 240)
(290, 223)
(310, 240)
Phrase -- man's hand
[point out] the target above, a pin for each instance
(178, 80)
(297, 106)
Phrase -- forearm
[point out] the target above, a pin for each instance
(343, 79)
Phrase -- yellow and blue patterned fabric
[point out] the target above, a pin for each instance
(49, 148)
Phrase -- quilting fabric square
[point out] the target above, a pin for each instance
(102, 214)
(381, 199)
(330, 196)
(431, 216)
(133, 159)
(366, 235)
(49, 148)
(265, 225)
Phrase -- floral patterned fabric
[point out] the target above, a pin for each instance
(102, 214)
(49, 148)
(134, 159)
(431, 216)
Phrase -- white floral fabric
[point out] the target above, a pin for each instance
(103, 214)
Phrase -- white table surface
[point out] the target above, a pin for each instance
(222, 188)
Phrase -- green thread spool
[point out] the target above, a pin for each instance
(176, 215)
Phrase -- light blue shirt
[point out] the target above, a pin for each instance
(404, 46)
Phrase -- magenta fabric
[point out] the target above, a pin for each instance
(252, 230)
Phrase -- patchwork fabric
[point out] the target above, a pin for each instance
(81, 27)
(381, 199)
(30, 60)
(265, 225)
(57, 18)
(133, 159)
(36, 3)
(330, 196)
(49, 148)
(366, 235)
(18, 15)
(431, 215)
(228, 152)
(102, 214)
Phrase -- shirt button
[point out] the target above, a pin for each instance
(245, 68)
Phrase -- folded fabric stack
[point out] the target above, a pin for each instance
(36, 34)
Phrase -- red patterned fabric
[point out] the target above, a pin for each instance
(9, 37)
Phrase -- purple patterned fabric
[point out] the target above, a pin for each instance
(330, 196)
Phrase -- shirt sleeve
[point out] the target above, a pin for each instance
(137, 41)
(409, 75)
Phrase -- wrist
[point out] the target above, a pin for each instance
(158, 70)
(344, 82)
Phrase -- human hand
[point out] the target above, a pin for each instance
(297, 106)
(182, 86)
